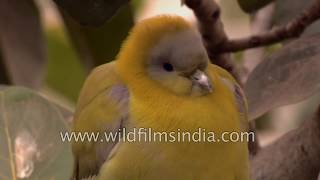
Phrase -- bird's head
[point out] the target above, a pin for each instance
(167, 52)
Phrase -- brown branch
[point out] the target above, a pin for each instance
(291, 30)
(212, 31)
(295, 156)
(208, 15)
(217, 43)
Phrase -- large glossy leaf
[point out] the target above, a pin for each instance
(98, 45)
(91, 12)
(250, 6)
(22, 43)
(286, 10)
(288, 76)
(30, 143)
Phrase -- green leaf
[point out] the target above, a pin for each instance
(286, 10)
(93, 12)
(137, 4)
(99, 45)
(250, 6)
(288, 76)
(30, 142)
(68, 66)
(66, 73)
(22, 43)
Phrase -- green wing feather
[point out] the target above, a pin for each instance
(102, 108)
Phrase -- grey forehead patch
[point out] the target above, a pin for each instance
(181, 49)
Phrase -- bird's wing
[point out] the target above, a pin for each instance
(239, 95)
(102, 109)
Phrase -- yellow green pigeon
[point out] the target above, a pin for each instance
(162, 81)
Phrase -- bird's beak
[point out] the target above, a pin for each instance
(201, 79)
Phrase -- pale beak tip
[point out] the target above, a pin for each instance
(202, 80)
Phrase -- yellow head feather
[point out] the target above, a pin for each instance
(142, 39)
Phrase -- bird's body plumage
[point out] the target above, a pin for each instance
(127, 93)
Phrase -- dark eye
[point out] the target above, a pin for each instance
(167, 66)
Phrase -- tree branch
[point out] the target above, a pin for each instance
(217, 43)
(291, 30)
(212, 31)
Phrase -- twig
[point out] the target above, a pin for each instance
(208, 14)
(291, 30)
(295, 156)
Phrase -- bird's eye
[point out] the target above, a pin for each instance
(167, 66)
